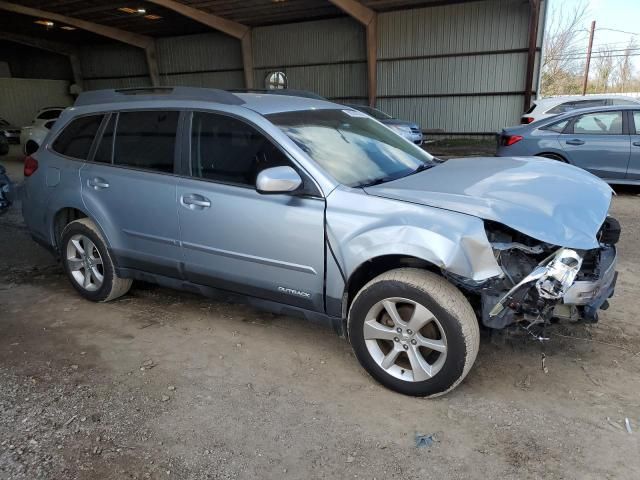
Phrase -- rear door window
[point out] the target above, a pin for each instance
(76, 139)
(146, 140)
(599, 123)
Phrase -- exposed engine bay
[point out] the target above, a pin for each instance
(543, 283)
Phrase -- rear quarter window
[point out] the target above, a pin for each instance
(557, 127)
(76, 138)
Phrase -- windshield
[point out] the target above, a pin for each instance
(355, 149)
(374, 112)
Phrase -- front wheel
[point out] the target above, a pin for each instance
(414, 332)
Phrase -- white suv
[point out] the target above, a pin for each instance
(31, 137)
(549, 107)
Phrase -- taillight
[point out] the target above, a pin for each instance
(526, 120)
(509, 140)
(30, 166)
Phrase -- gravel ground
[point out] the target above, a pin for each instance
(162, 384)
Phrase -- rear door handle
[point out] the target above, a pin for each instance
(194, 201)
(636, 144)
(575, 142)
(97, 183)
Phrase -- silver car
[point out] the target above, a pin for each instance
(305, 207)
(604, 141)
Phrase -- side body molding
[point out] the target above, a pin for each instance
(359, 231)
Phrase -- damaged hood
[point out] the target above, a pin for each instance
(545, 199)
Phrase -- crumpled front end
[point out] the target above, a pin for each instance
(544, 283)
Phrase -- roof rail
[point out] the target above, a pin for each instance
(291, 92)
(94, 97)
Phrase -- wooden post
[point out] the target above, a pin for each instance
(372, 56)
(588, 64)
(247, 59)
(231, 28)
(368, 18)
(534, 19)
(152, 64)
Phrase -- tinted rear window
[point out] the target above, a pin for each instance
(146, 140)
(76, 139)
(49, 114)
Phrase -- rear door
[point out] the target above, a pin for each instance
(599, 143)
(633, 172)
(236, 239)
(129, 187)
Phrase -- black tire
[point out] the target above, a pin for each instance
(111, 286)
(447, 304)
(553, 156)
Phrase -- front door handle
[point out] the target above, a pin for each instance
(194, 201)
(636, 144)
(98, 183)
(575, 141)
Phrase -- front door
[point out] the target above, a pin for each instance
(598, 143)
(130, 189)
(236, 239)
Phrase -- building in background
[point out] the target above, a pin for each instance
(455, 67)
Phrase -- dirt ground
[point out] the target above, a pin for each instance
(168, 385)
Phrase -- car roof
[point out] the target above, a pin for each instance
(262, 103)
(266, 104)
(580, 111)
(549, 101)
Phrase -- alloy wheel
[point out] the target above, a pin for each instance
(85, 262)
(405, 339)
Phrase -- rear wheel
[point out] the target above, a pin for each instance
(88, 264)
(414, 332)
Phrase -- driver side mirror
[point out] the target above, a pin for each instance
(278, 180)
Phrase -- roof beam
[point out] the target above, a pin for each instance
(61, 48)
(355, 9)
(140, 41)
(39, 43)
(368, 18)
(130, 38)
(234, 29)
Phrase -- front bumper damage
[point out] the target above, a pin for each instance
(553, 290)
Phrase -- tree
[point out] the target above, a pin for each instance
(604, 68)
(625, 67)
(563, 39)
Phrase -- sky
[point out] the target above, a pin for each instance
(609, 15)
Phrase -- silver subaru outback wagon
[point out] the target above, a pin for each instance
(305, 207)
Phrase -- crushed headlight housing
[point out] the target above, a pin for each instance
(552, 277)
(560, 274)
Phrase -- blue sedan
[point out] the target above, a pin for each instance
(604, 141)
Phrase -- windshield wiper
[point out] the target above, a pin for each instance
(422, 168)
(377, 181)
